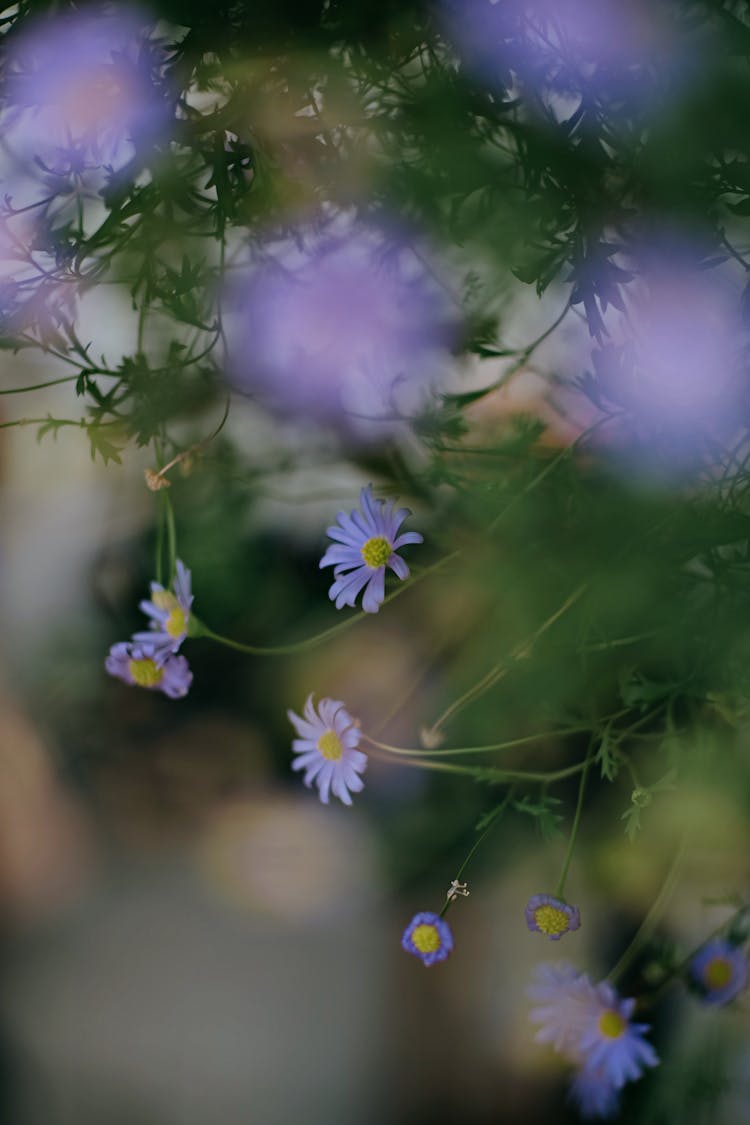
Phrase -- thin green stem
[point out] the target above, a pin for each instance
(202, 630)
(39, 386)
(483, 773)
(510, 744)
(560, 888)
(498, 671)
(171, 534)
(648, 925)
(492, 820)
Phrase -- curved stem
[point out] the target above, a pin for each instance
(560, 889)
(492, 820)
(510, 744)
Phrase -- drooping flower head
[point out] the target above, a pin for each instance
(719, 971)
(81, 91)
(428, 937)
(344, 327)
(169, 611)
(551, 916)
(366, 542)
(137, 664)
(327, 749)
(590, 1025)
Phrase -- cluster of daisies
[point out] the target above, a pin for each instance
(150, 658)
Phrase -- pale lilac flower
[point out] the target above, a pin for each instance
(551, 916)
(80, 91)
(169, 611)
(345, 327)
(327, 749)
(594, 1094)
(671, 373)
(566, 998)
(611, 1044)
(429, 937)
(590, 1025)
(366, 542)
(719, 971)
(136, 664)
(568, 46)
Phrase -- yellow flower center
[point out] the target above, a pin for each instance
(329, 745)
(611, 1024)
(426, 938)
(551, 920)
(146, 672)
(376, 551)
(176, 623)
(162, 599)
(717, 973)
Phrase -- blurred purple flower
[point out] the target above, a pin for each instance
(590, 1026)
(428, 936)
(551, 916)
(169, 611)
(347, 328)
(327, 749)
(611, 1045)
(367, 542)
(137, 664)
(561, 44)
(80, 91)
(719, 971)
(673, 369)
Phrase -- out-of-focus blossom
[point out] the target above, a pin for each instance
(671, 372)
(594, 1094)
(590, 1025)
(80, 92)
(611, 1044)
(327, 749)
(169, 611)
(719, 971)
(562, 45)
(137, 664)
(428, 936)
(366, 543)
(349, 330)
(551, 916)
(566, 997)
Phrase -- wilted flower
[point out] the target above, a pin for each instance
(590, 1026)
(327, 749)
(719, 971)
(137, 664)
(551, 916)
(366, 543)
(170, 614)
(81, 92)
(349, 330)
(428, 937)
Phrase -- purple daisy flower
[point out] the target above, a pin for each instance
(551, 916)
(169, 611)
(137, 664)
(327, 749)
(719, 971)
(428, 937)
(610, 1043)
(82, 91)
(590, 1026)
(366, 543)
